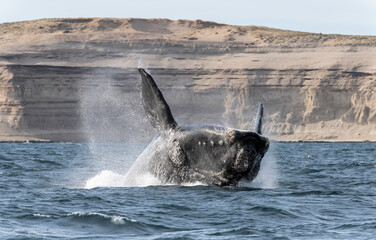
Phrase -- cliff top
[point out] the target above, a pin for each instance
(81, 29)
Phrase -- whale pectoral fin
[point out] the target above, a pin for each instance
(155, 106)
(260, 113)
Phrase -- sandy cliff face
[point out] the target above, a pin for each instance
(74, 79)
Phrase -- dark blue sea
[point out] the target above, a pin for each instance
(76, 191)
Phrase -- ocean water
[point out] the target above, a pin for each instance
(77, 191)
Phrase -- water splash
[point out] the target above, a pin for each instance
(268, 176)
(140, 63)
(136, 176)
(108, 178)
(111, 113)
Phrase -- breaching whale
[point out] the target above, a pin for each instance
(209, 154)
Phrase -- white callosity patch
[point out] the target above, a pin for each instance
(229, 136)
(176, 154)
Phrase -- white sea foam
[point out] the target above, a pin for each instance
(194, 184)
(108, 178)
(105, 178)
(114, 219)
(41, 215)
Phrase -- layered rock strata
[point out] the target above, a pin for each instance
(77, 79)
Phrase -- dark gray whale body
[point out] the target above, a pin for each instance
(210, 154)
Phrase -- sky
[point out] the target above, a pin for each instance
(356, 17)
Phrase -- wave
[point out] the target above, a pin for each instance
(275, 211)
(49, 162)
(90, 216)
(35, 216)
(38, 215)
(364, 225)
(317, 193)
(118, 220)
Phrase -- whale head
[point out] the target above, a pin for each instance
(211, 154)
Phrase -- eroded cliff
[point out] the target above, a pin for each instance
(75, 79)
